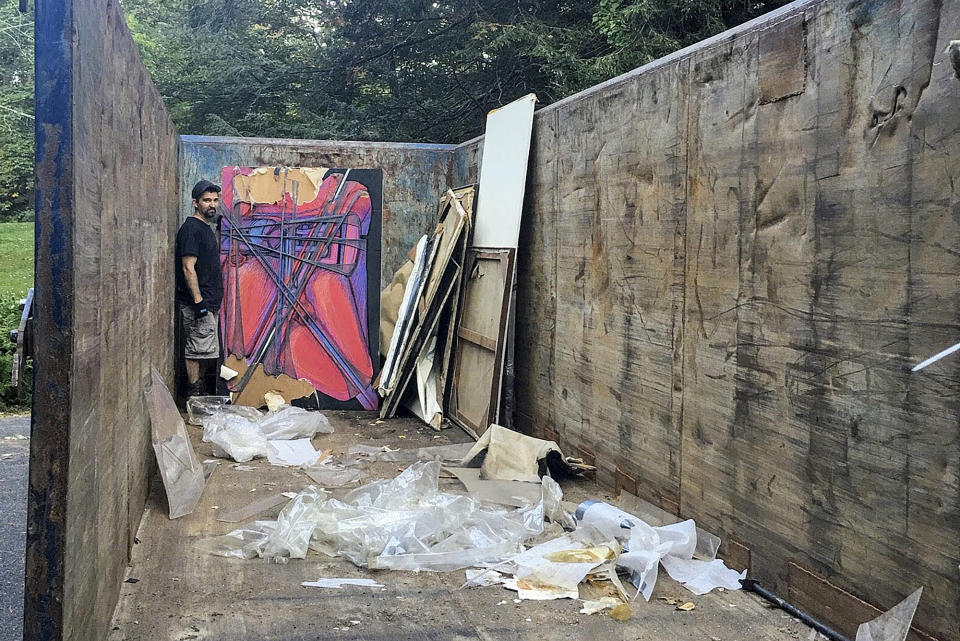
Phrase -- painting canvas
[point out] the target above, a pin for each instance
(300, 251)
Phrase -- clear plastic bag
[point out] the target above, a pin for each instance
(243, 543)
(180, 468)
(290, 422)
(553, 504)
(329, 474)
(295, 524)
(200, 408)
(234, 437)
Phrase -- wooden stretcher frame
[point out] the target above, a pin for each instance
(464, 380)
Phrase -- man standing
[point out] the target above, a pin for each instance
(199, 282)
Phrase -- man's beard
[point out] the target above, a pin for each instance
(210, 214)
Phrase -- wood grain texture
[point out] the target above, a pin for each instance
(114, 321)
(730, 260)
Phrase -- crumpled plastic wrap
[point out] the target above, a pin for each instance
(290, 422)
(199, 408)
(326, 473)
(180, 468)
(404, 523)
(553, 504)
(234, 437)
(243, 543)
(646, 547)
(295, 524)
(243, 436)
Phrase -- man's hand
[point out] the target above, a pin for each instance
(200, 308)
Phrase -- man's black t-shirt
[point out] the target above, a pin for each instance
(196, 238)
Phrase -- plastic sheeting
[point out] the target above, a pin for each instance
(242, 438)
(199, 408)
(646, 547)
(180, 468)
(892, 625)
(326, 473)
(290, 422)
(404, 523)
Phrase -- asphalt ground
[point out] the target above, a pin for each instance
(14, 455)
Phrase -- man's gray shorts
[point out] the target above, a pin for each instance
(199, 335)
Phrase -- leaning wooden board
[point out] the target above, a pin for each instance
(478, 356)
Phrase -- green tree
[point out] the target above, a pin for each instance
(16, 113)
(411, 70)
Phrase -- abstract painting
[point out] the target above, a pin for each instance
(300, 252)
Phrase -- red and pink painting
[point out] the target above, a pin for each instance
(300, 251)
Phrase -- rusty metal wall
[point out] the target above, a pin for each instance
(413, 176)
(729, 261)
(106, 215)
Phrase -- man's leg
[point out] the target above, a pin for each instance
(193, 370)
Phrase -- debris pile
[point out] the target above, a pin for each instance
(281, 436)
(516, 533)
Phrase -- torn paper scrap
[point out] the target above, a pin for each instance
(339, 583)
(599, 605)
(892, 625)
(292, 453)
(539, 577)
(274, 401)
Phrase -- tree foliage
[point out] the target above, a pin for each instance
(412, 70)
(16, 113)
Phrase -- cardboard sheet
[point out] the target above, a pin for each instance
(515, 493)
(510, 456)
(268, 184)
(253, 395)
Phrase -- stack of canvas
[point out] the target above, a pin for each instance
(422, 337)
(450, 334)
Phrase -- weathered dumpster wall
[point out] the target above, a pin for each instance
(730, 259)
(413, 176)
(106, 214)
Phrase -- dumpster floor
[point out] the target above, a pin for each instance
(177, 592)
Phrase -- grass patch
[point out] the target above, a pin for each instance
(16, 259)
(16, 277)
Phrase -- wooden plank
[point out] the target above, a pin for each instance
(477, 338)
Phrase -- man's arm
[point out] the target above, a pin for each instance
(188, 264)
